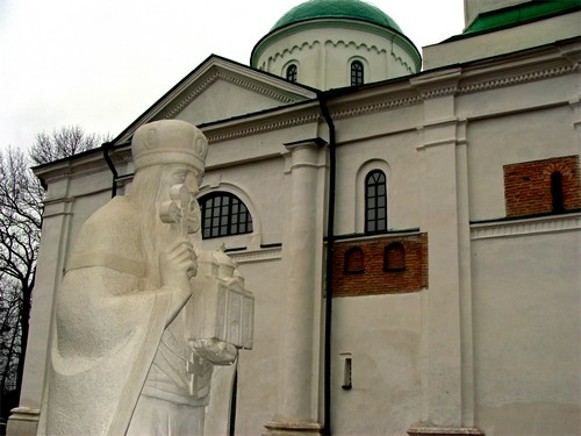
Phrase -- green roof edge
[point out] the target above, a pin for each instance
(520, 14)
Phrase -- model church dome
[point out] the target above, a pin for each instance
(336, 43)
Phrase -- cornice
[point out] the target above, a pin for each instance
(261, 255)
(389, 102)
(525, 226)
(75, 168)
(228, 77)
(456, 82)
(253, 128)
(506, 80)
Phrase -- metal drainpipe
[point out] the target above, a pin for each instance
(106, 147)
(329, 263)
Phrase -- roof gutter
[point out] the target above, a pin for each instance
(106, 148)
(323, 102)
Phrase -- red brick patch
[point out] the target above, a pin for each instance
(528, 187)
(408, 271)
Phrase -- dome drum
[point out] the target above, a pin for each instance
(323, 35)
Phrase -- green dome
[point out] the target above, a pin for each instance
(348, 9)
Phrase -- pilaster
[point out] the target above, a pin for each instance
(447, 363)
(51, 260)
(300, 320)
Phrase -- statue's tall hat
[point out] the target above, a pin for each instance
(169, 142)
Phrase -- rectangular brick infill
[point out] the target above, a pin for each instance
(381, 265)
(542, 186)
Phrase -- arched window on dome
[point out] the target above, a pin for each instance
(356, 73)
(224, 214)
(375, 202)
(292, 72)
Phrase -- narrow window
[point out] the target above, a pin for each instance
(354, 260)
(356, 73)
(292, 73)
(557, 192)
(347, 368)
(223, 214)
(394, 257)
(375, 202)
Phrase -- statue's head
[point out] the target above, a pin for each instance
(169, 142)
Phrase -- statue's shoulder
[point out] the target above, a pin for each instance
(118, 209)
(116, 224)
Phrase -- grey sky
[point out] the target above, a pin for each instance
(100, 64)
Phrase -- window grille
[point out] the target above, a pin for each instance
(224, 214)
(356, 73)
(292, 72)
(375, 202)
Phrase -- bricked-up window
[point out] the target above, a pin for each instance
(394, 257)
(354, 260)
(356, 73)
(542, 186)
(375, 202)
(292, 72)
(224, 214)
(557, 192)
(375, 280)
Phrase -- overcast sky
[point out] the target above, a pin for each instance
(100, 64)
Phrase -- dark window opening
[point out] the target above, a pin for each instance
(394, 257)
(557, 192)
(223, 214)
(375, 202)
(292, 73)
(354, 260)
(356, 73)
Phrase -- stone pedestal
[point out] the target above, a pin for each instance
(280, 428)
(23, 421)
(444, 431)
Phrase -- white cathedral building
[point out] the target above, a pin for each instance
(435, 196)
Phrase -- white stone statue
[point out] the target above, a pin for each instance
(143, 313)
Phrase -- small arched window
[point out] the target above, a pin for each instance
(356, 73)
(557, 192)
(224, 214)
(354, 260)
(292, 73)
(375, 202)
(394, 257)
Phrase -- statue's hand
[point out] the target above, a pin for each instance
(215, 351)
(177, 264)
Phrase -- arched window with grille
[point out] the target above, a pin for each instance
(292, 72)
(356, 73)
(224, 214)
(375, 202)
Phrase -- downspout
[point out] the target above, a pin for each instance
(329, 264)
(106, 147)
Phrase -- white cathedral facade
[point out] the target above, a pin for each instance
(439, 205)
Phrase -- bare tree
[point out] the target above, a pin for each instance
(64, 142)
(21, 207)
(21, 197)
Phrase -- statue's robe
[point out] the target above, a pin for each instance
(109, 323)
